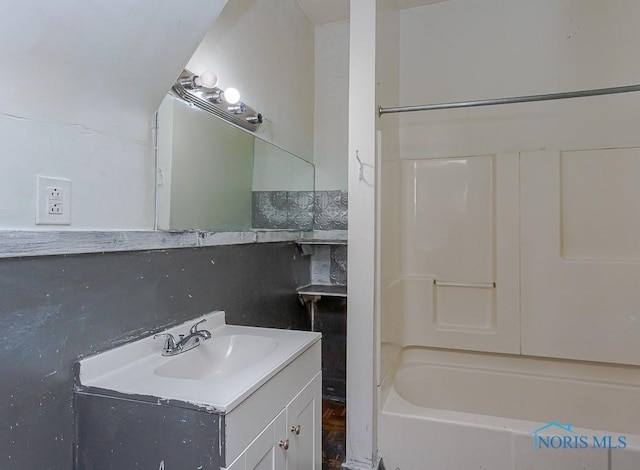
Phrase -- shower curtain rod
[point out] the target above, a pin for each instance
(515, 99)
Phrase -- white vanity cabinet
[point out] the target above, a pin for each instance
(264, 452)
(292, 440)
(279, 425)
(304, 427)
(246, 398)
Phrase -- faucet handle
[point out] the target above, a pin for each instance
(194, 328)
(171, 341)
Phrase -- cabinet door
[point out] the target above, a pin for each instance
(268, 450)
(239, 464)
(304, 428)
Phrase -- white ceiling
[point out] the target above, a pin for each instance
(325, 11)
(329, 11)
(402, 4)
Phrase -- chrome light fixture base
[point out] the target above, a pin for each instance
(212, 100)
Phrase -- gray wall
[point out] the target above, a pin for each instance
(56, 309)
(120, 433)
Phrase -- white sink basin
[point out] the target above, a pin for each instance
(218, 375)
(224, 356)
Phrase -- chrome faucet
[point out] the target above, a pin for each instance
(184, 343)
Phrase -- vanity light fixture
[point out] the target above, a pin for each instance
(237, 109)
(231, 95)
(214, 96)
(207, 79)
(194, 82)
(200, 91)
(187, 82)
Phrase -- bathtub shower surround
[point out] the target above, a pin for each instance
(530, 254)
(545, 415)
(300, 210)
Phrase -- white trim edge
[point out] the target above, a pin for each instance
(19, 243)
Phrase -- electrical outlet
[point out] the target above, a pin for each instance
(53, 201)
(54, 192)
(54, 207)
(55, 196)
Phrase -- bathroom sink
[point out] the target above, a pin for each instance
(218, 375)
(218, 358)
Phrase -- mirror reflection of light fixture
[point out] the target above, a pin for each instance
(187, 82)
(193, 82)
(206, 80)
(201, 91)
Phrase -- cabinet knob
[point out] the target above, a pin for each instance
(296, 430)
(284, 444)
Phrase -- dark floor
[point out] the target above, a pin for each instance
(331, 321)
(334, 432)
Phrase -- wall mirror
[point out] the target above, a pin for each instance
(215, 176)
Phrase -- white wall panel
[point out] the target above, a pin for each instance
(460, 246)
(265, 49)
(331, 105)
(580, 272)
(600, 202)
(361, 322)
(450, 218)
(80, 82)
(462, 50)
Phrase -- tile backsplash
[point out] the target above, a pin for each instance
(300, 210)
(338, 265)
(306, 210)
(330, 210)
(329, 265)
(269, 209)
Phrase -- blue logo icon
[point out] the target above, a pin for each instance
(558, 436)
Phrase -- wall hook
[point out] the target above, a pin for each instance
(361, 169)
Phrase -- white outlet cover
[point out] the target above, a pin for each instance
(43, 185)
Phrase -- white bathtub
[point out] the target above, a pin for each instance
(455, 410)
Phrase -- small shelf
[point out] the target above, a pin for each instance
(309, 246)
(323, 290)
(321, 241)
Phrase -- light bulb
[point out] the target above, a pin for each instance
(231, 95)
(209, 79)
(206, 80)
